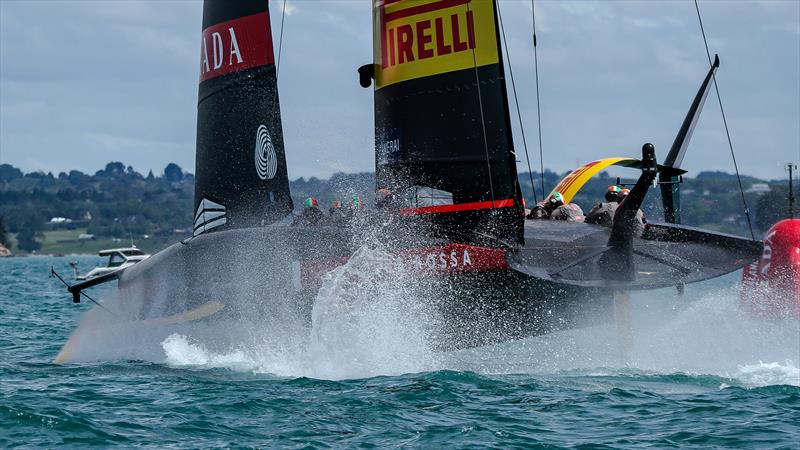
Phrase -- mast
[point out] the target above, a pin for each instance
(669, 179)
(442, 125)
(241, 177)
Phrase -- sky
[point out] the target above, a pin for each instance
(83, 83)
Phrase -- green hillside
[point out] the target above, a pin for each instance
(48, 213)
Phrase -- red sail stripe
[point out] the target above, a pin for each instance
(414, 10)
(577, 176)
(472, 206)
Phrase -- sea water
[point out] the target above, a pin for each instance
(694, 371)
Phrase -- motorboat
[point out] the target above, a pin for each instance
(118, 259)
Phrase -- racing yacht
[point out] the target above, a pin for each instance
(444, 150)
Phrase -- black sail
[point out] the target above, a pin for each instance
(443, 137)
(241, 178)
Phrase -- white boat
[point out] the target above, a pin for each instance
(118, 259)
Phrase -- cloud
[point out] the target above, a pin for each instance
(117, 142)
(85, 82)
(22, 110)
(789, 28)
(596, 10)
(649, 24)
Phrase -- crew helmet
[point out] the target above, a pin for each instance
(383, 197)
(310, 202)
(622, 194)
(612, 193)
(556, 200)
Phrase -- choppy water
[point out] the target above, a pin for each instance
(700, 373)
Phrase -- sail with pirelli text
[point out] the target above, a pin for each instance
(443, 136)
(240, 163)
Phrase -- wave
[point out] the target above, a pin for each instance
(182, 352)
(370, 319)
(365, 322)
(769, 374)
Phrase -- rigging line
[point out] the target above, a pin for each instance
(276, 110)
(483, 121)
(725, 122)
(97, 303)
(538, 106)
(516, 101)
(280, 40)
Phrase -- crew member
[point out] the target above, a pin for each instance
(384, 198)
(603, 213)
(357, 203)
(349, 209)
(559, 210)
(335, 212)
(538, 212)
(311, 214)
(545, 208)
(624, 192)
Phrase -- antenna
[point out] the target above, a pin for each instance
(791, 167)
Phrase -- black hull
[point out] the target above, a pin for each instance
(251, 276)
(247, 270)
(556, 282)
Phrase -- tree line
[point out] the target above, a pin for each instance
(119, 202)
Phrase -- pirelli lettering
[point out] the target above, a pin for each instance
(420, 38)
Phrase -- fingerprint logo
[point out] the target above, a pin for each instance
(266, 159)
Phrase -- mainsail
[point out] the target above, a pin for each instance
(240, 162)
(442, 129)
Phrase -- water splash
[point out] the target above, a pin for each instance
(182, 352)
(371, 318)
(366, 321)
(701, 333)
(769, 374)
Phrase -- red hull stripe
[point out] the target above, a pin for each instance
(235, 45)
(414, 10)
(473, 206)
(448, 259)
(455, 258)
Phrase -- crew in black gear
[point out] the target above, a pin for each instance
(603, 213)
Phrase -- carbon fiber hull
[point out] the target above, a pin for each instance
(474, 293)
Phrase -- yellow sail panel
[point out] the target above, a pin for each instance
(420, 38)
(573, 182)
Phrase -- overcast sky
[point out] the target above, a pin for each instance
(83, 83)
